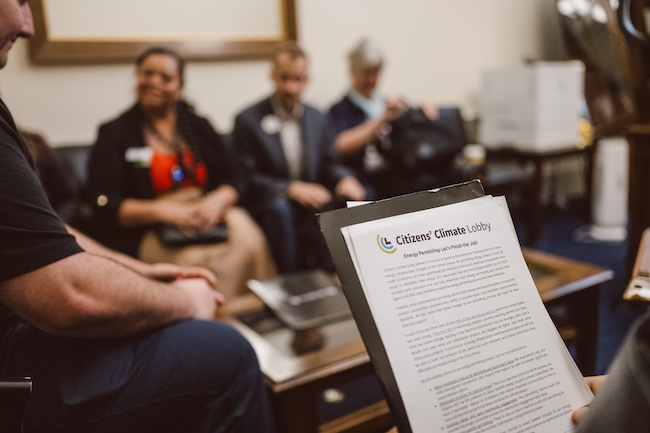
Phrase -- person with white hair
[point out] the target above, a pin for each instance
(363, 112)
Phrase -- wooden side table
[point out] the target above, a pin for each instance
(576, 285)
(295, 380)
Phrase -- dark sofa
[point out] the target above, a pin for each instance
(73, 160)
(498, 178)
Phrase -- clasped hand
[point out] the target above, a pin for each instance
(203, 299)
(394, 107)
(309, 194)
(595, 383)
(316, 196)
(196, 216)
(197, 283)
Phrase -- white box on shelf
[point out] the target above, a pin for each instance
(533, 107)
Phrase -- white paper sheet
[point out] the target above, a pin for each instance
(469, 341)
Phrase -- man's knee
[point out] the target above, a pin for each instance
(210, 339)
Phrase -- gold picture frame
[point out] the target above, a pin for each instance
(88, 47)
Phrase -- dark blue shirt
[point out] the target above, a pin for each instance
(344, 115)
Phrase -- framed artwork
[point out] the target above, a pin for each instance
(116, 31)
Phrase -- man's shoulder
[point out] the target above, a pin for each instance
(4, 112)
(311, 112)
(10, 138)
(344, 106)
(6, 120)
(257, 109)
(341, 103)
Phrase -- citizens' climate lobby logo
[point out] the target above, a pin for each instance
(385, 245)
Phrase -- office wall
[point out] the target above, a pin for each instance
(436, 50)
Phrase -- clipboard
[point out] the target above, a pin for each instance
(331, 223)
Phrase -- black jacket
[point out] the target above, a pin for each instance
(113, 178)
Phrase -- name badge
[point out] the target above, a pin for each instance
(139, 156)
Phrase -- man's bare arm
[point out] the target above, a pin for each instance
(351, 140)
(309, 194)
(159, 271)
(93, 247)
(89, 296)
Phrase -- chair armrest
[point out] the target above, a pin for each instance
(14, 393)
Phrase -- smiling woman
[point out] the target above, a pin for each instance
(160, 165)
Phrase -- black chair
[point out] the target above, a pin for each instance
(74, 160)
(14, 394)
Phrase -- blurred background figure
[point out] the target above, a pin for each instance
(361, 118)
(286, 147)
(160, 163)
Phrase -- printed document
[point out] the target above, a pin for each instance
(469, 341)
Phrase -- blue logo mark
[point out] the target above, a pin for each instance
(385, 245)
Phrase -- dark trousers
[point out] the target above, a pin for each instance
(293, 235)
(192, 376)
